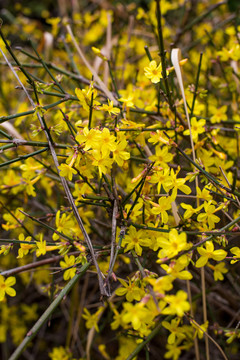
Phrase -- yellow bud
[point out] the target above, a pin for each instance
(125, 165)
(181, 63)
(98, 53)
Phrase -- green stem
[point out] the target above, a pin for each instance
(93, 203)
(136, 199)
(46, 68)
(162, 52)
(90, 112)
(34, 330)
(145, 342)
(118, 247)
(23, 157)
(139, 265)
(30, 143)
(9, 146)
(196, 86)
(132, 192)
(70, 126)
(92, 197)
(14, 241)
(25, 113)
(5, 134)
(139, 191)
(113, 79)
(148, 52)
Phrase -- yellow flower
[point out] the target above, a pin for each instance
(175, 330)
(4, 249)
(200, 329)
(11, 179)
(136, 314)
(55, 24)
(127, 101)
(204, 194)
(172, 246)
(177, 304)
(5, 286)
(13, 220)
(164, 204)
(69, 261)
(87, 96)
(190, 210)
(162, 156)
(81, 188)
(110, 108)
(158, 137)
(107, 142)
(209, 216)
(162, 284)
(160, 177)
(233, 53)
(92, 319)
(197, 128)
(218, 271)
(119, 154)
(101, 162)
(64, 224)
(29, 167)
(117, 319)
(173, 183)
(131, 290)
(219, 114)
(67, 171)
(236, 251)
(24, 248)
(89, 137)
(60, 353)
(209, 253)
(134, 240)
(41, 246)
(153, 72)
(175, 269)
(136, 211)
